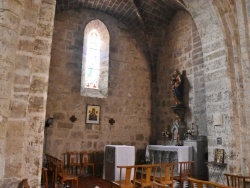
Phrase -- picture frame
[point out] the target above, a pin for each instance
(93, 114)
(219, 156)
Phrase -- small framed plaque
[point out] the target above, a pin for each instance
(219, 155)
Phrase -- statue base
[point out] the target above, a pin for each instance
(180, 111)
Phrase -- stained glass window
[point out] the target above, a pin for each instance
(92, 66)
(95, 60)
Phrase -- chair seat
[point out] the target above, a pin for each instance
(157, 180)
(122, 184)
(177, 178)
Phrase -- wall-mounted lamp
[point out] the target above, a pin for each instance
(49, 122)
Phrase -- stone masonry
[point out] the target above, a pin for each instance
(129, 93)
(208, 40)
(26, 33)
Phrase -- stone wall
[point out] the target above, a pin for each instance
(26, 33)
(221, 26)
(182, 50)
(129, 94)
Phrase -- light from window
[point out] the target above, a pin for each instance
(92, 67)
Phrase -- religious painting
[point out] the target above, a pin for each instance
(93, 114)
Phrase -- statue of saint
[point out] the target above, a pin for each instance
(176, 82)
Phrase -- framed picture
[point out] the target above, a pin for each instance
(219, 155)
(93, 114)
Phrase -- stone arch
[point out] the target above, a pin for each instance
(100, 27)
(217, 25)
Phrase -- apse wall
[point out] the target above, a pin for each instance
(129, 94)
(181, 50)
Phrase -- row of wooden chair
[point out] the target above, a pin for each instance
(236, 180)
(55, 169)
(147, 175)
(77, 162)
(233, 180)
(195, 183)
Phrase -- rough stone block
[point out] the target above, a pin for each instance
(30, 17)
(35, 125)
(28, 30)
(65, 125)
(12, 147)
(26, 45)
(5, 89)
(44, 30)
(38, 84)
(22, 79)
(47, 13)
(40, 65)
(15, 129)
(42, 47)
(36, 104)
(9, 19)
(18, 109)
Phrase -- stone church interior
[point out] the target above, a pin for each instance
(94, 84)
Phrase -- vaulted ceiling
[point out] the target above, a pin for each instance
(145, 18)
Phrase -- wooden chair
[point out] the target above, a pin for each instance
(126, 174)
(165, 175)
(66, 161)
(23, 184)
(234, 180)
(98, 161)
(185, 170)
(195, 183)
(51, 162)
(64, 176)
(45, 182)
(146, 176)
(54, 173)
(74, 162)
(85, 163)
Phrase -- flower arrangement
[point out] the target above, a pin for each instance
(190, 132)
(165, 133)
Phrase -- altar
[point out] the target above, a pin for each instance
(169, 154)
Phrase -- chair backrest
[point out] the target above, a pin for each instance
(45, 182)
(195, 183)
(49, 160)
(54, 167)
(61, 172)
(186, 168)
(165, 173)
(234, 180)
(126, 174)
(147, 174)
(86, 157)
(66, 160)
(74, 158)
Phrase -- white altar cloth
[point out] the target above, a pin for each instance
(184, 153)
(117, 155)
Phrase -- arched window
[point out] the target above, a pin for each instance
(92, 66)
(95, 61)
